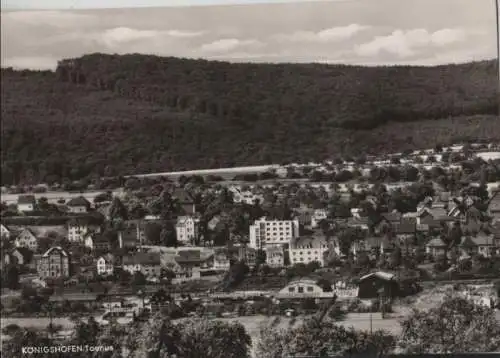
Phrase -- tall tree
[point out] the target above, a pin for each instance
(456, 325)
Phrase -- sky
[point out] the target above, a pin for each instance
(365, 32)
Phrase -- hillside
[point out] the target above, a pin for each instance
(109, 114)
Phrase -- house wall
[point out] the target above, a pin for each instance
(368, 288)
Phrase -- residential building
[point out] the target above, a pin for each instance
(494, 206)
(318, 216)
(271, 232)
(486, 245)
(149, 264)
(54, 263)
(245, 196)
(247, 255)
(98, 242)
(358, 222)
(221, 260)
(79, 229)
(186, 229)
(304, 288)
(190, 262)
(405, 229)
(308, 249)
(20, 256)
(78, 205)
(378, 284)
(105, 265)
(5, 233)
(131, 234)
(436, 247)
(27, 239)
(186, 201)
(275, 256)
(26, 203)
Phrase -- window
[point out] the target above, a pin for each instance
(310, 289)
(301, 289)
(291, 289)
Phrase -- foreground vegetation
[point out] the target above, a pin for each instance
(472, 329)
(103, 115)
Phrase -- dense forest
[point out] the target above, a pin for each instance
(107, 115)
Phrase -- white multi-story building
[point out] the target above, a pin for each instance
(186, 229)
(318, 216)
(105, 265)
(306, 250)
(273, 232)
(78, 230)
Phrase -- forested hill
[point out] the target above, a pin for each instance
(110, 114)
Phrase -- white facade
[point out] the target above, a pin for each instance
(104, 267)
(4, 232)
(27, 239)
(275, 256)
(77, 209)
(273, 232)
(78, 231)
(25, 207)
(304, 251)
(186, 229)
(318, 216)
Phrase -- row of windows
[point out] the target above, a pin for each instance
(300, 289)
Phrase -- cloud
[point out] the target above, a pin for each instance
(225, 45)
(39, 63)
(406, 43)
(184, 34)
(124, 34)
(326, 35)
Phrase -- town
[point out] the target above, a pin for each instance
(376, 236)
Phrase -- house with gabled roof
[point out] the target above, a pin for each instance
(54, 263)
(436, 247)
(467, 247)
(405, 229)
(148, 263)
(486, 244)
(80, 228)
(27, 239)
(494, 206)
(308, 249)
(5, 232)
(185, 200)
(105, 265)
(18, 256)
(26, 203)
(78, 205)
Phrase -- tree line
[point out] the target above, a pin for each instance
(105, 115)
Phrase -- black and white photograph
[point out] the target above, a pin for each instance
(250, 179)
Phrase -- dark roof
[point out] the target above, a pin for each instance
(394, 216)
(79, 201)
(406, 226)
(142, 258)
(26, 199)
(467, 242)
(357, 221)
(25, 252)
(188, 256)
(182, 196)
